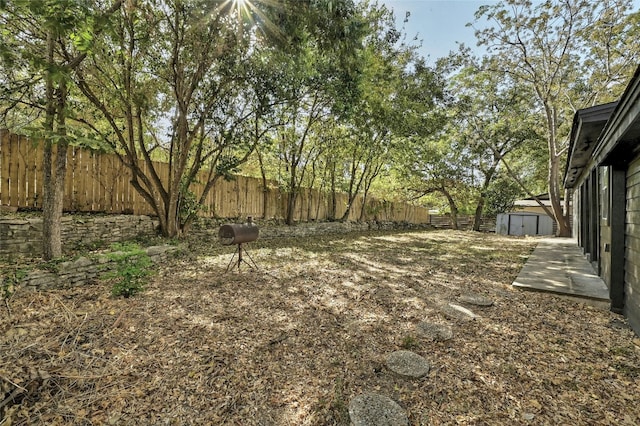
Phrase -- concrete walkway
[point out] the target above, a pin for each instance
(557, 265)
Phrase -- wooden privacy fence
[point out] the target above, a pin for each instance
(97, 182)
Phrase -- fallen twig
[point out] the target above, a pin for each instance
(17, 391)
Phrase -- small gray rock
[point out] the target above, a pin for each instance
(475, 299)
(435, 331)
(454, 311)
(407, 363)
(371, 409)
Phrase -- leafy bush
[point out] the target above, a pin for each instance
(9, 280)
(131, 270)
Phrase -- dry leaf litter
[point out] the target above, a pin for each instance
(294, 341)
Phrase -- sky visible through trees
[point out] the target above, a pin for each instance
(335, 95)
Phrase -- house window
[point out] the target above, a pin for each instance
(605, 199)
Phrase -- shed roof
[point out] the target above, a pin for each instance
(531, 201)
(525, 213)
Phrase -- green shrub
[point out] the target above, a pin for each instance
(9, 280)
(132, 267)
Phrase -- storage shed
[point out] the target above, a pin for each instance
(524, 223)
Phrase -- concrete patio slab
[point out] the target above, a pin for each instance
(558, 266)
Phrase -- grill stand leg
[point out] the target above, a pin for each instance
(241, 259)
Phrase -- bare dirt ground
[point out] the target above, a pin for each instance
(293, 342)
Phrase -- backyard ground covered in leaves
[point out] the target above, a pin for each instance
(293, 342)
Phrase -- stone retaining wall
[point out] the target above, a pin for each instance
(208, 228)
(24, 235)
(82, 270)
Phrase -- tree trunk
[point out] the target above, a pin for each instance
(54, 185)
(363, 210)
(48, 249)
(51, 234)
(53, 174)
(172, 223)
(453, 208)
(564, 229)
(367, 187)
(554, 169)
(292, 197)
(477, 219)
(554, 174)
(265, 186)
(333, 206)
(291, 206)
(347, 212)
(351, 193)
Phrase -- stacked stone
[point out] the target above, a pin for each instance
(24, 236)
(83, 270)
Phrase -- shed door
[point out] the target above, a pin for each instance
(516, 224)
(632, 246)
(530, 225)
(523, 225)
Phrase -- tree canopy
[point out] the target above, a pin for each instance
(327, 94)
(570, 54)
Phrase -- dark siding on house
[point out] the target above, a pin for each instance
(605, 229)
(605, 256)
(594, 216)
(617, 218)
(632, 246)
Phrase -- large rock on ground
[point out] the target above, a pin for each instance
(453, 311)
(434, 331)
(408, 364)
(370, 409)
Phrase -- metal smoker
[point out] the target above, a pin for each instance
(235, 233)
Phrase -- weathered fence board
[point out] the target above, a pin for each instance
(96, 182)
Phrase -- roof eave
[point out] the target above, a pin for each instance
(587, 126)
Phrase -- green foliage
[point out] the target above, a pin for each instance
(188, 205)
(501, 195)
(9, 279)
(132, 267)
(227, 166)
(330, 92)
(53, 265)
(599, 51)
(409, 342)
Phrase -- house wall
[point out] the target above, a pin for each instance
(632, 246)
(605, 252)
(611, 237)
(594, 218)
(604, 225)
(586, 221)
(603, 169)
(592, 224)
(577, 202)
